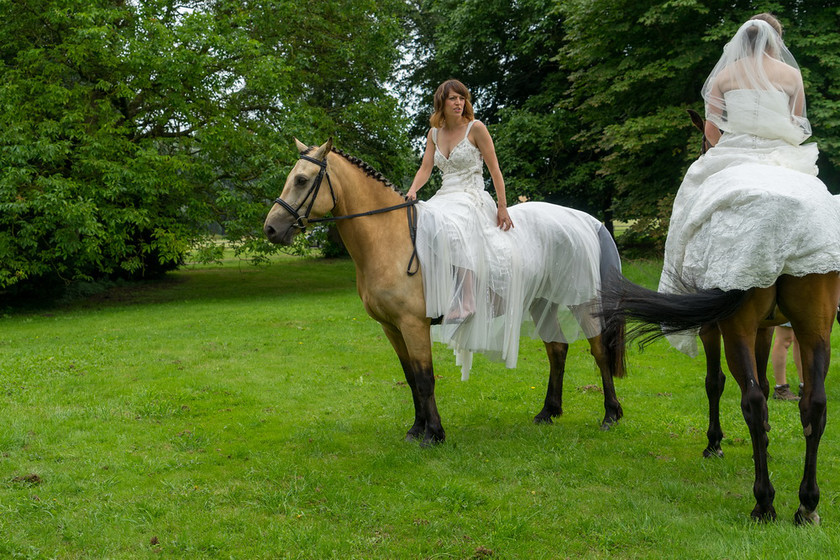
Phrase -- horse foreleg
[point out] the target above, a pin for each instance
(715, 382)
(812, 414)
(612, 408)
(553, 405)
(416, 360)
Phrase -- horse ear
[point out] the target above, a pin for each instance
(301, 146)
(697, 120)
(323, 150)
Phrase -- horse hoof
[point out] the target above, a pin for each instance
(804, 517)
(431, 442)
(413, 435)
(433, 437)
(712, 452)
(609, 422)
(764, 516)
(540, 419)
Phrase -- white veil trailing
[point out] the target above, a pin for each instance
(756, 87)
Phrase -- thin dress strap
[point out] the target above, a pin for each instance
(469, 126)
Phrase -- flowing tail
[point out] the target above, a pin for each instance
(613, 336)
(659, 314)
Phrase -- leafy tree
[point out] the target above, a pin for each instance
(131, 127)
(587, 99)
(636, 67)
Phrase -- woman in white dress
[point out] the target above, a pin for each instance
(482, 276)
(723, 231)
(458, 144)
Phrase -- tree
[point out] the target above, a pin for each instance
(587, 99)
(636, 67)
(131, 127)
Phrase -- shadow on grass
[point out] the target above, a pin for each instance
(232, 280)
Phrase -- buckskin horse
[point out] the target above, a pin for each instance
(371, 218)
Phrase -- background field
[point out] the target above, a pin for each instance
(239, 412)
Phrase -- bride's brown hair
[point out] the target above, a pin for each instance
(438, 119)
(772, 20)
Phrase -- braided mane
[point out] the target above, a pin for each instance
(365, 167)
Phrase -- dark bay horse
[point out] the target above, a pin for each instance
(371, 219)
(710, 339)
(745, 319)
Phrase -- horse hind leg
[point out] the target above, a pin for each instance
(739, 335)
(812, 413)
(545, 317)
(610, 363)
(812, 318)
(553, 405)
(612, 408)
(763, 346)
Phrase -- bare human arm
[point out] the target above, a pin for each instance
(481, 138)
(425, 171)
(711, 131)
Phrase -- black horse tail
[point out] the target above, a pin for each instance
(613, 336)
(660, 314)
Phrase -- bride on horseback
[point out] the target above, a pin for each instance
(723, 231)
(483, 277)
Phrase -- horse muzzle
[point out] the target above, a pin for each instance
(280, 229)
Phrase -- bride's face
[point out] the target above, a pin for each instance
(454, 106)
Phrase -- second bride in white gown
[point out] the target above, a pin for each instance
(487, 270)
(752, 208)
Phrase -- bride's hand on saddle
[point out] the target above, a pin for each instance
(503, 219)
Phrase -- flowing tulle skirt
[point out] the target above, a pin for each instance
(485, 282)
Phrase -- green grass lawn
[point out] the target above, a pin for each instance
(238, 412)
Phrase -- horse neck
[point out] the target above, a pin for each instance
(366, 237)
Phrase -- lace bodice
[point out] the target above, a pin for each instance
(464, 158)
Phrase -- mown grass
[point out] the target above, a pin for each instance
(239, 412)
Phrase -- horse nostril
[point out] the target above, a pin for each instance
(269, 231)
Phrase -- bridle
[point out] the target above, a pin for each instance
(313, 192)
(301, 221)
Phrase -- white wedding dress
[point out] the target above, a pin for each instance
(751, 208)
(485, 282)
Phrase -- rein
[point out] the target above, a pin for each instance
(302, 221)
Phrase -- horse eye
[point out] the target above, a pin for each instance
(301, 180)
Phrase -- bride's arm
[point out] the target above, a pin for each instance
(425, 171)
(484, 143)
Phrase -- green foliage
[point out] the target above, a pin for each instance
(636, 67)
(131, 128)
(587, 100)
(134, 131)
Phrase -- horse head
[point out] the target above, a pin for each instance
(302, 197)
